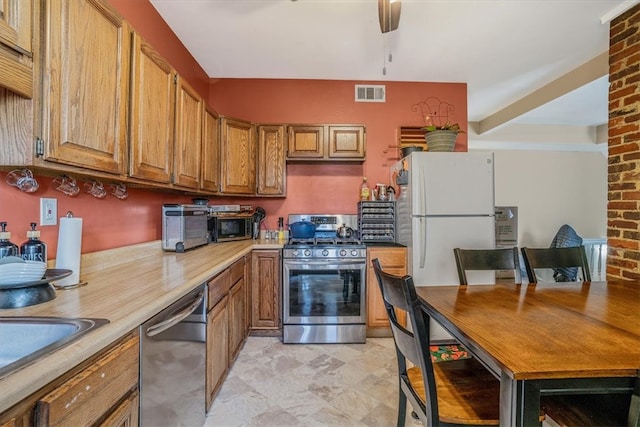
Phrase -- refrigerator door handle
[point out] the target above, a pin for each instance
(423, 241)
(422, 200)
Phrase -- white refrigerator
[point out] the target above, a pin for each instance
(446, 201)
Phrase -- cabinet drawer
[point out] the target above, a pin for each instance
(218, 288)
(90, 394)
(237, 271)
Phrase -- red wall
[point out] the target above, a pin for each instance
(333, 188)
(109, 222)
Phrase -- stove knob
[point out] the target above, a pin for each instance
(354, 252)
(295, 252)
(307, 252)
(343, 252)
(325, 252)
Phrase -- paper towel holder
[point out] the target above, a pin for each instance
(69, 214)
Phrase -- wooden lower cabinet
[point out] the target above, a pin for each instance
(102, 391)
(226, 324)
(393, 260)
(266, 290)
(248, 277)
(217, 348)
(236, 318)
(126, 414)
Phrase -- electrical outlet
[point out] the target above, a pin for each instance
(48, 211)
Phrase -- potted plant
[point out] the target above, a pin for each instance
(441, 138)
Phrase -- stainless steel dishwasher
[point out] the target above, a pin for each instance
(172, 364)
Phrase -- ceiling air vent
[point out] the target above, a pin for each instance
(370, 93)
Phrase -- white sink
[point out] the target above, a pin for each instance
(25, 339)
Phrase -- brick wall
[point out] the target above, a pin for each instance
(623, 212)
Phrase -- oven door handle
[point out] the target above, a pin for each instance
(175, 318)
(325, 265)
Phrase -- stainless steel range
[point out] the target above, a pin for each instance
(324, 283)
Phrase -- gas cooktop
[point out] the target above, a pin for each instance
(326, 244)
(315, 241)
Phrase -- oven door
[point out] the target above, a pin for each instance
(324, 292)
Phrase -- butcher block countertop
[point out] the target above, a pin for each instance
(127, 286)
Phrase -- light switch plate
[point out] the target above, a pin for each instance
(48, 211)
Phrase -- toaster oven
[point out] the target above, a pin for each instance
(184, 227)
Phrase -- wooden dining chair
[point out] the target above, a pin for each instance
(559, 259)
(487, 259)
(458, 392)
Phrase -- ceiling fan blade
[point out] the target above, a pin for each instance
(389, 14)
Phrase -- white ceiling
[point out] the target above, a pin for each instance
(503, 49)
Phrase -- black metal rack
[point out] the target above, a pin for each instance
(377, 221)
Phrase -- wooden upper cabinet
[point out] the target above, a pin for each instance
(271, 175)
(210, 152)
(237, 156)
(326, 143)
(306, 142)
(188, 143)
(16, 60)
(346, 142)
(85, 85)
(152, 124)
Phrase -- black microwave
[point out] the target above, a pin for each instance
(224, 228)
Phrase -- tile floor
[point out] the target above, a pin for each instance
(273, 384)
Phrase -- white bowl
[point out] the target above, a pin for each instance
(22, 272)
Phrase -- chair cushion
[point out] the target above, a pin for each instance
(467, 392)
(442, 353)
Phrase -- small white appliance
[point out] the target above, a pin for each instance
(446, 201)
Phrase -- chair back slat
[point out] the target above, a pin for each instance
(487, 259)
(399, 293)
(566, 257)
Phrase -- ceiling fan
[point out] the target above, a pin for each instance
(389, 15)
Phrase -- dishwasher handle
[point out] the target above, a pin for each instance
(176, 318)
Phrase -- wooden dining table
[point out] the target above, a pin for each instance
(545, 339)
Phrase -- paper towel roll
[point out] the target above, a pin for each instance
(69, 249)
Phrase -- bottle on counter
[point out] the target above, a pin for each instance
(280, 228)
(33, 249)
(7, 248)
(364, 190)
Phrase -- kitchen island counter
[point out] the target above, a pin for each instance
(127, 286)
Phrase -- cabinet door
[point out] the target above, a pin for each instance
(346, 142)
(248, 277)
(237, 156)
(126, 414)
(210, 153)
(85, 93)
(392, 260)
(217, 348)
(306, 142)
(236, 318)
(16, 64)
(153, 91)
(271, 161)
(265, 292)
(188, 144)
